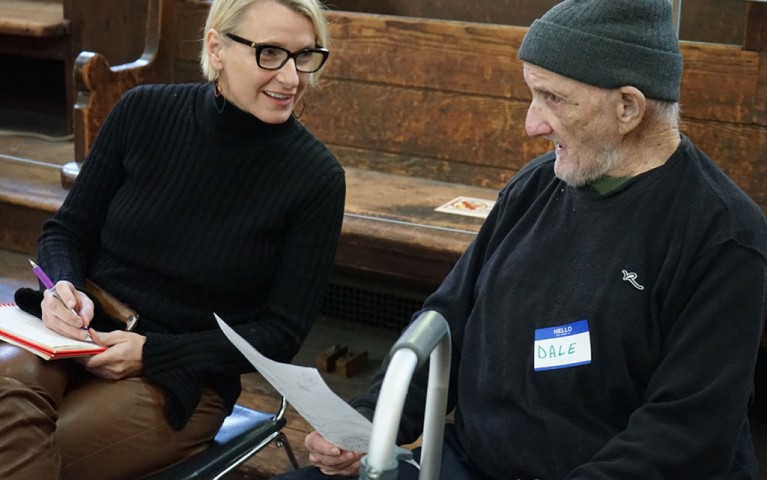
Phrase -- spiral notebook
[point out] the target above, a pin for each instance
(28, 332)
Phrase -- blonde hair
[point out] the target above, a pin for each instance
(225, 16)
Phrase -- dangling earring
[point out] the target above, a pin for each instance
(303, 107)
(217, 94)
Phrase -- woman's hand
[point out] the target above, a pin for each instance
(330, 459)
(122, 358)
(70, 316)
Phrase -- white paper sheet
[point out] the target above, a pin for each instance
(27, 331)
(304, 388)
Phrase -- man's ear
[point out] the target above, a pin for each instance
(631, 109)
(213, 48)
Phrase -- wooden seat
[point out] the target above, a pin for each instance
(33, 18)
(40, 29)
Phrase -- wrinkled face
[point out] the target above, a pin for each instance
(579, 119)
(270, 95)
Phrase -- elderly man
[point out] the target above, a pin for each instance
(606, 320)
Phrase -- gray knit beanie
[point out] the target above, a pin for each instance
(609, 44)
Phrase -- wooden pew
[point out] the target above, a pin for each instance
(57, 30)
(421, 111)
(713, 21)
(100, 85)
(40, 29)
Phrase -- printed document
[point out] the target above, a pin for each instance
(304, 388)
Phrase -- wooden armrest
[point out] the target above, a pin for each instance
(99, 86)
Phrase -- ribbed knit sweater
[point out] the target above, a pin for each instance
(182, 211)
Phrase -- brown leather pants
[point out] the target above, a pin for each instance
(57, 421)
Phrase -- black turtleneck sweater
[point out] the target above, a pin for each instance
(182, 211)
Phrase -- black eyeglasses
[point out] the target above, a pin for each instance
(272, 57)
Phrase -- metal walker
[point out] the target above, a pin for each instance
(428, 337)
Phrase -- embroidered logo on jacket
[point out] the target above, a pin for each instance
(631, 277)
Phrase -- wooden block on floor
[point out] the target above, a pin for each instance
(351, 363)
(326, 361)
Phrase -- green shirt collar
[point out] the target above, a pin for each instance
(606, 184)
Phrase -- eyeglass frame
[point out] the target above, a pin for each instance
(259, 47)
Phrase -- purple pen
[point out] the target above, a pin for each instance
(40, 274)
(48, 284)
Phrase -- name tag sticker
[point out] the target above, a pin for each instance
(563, 346)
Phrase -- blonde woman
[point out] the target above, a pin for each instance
(195, 199)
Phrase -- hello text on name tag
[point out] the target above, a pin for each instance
(562, 346)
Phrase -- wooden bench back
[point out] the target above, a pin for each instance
(714, 21)
(427, 98)
(446, 100)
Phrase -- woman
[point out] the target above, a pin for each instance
(195, 199)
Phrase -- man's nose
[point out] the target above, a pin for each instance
(535, 124)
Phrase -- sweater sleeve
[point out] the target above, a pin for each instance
(692, 413)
